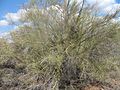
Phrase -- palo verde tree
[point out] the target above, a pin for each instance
(66, 41)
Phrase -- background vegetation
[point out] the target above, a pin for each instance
(61, 45)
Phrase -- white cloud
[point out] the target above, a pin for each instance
(4, 34)
(15, 16)
(112, 8)
(7, 36)
(3, 23)
(105, 6)
(101, 3)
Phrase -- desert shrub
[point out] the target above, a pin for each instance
(65, 42)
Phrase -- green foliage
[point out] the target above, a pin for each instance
(59, 35)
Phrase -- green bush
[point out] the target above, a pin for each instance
(65, 42)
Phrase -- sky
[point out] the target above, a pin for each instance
(118, 1)
(11, 9)
(6, 7)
